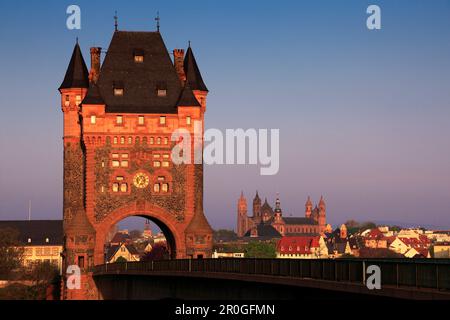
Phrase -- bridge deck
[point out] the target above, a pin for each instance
(400, 278)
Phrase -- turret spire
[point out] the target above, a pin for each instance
(77, 75)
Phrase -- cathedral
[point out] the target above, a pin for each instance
(267, 222)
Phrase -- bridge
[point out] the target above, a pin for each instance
(234, 279)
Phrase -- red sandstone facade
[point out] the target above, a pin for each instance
(118, 122)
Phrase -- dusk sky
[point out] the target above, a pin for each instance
(364, 116)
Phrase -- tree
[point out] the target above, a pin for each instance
(11, 254)
(44, 275)
(260, 250)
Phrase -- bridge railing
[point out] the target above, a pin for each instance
(426, 273)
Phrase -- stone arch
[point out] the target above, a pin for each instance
(173, 231)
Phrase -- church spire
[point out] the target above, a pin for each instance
(77, 75)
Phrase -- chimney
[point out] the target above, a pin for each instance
(178, 61)
(95, 64)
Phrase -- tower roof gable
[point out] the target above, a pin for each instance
(139, 80)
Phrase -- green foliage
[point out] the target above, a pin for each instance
(256, 249)
(10, 254)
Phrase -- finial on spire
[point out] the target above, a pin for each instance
(77, 40)
(157, 19)
(189, 43)
(116, 23)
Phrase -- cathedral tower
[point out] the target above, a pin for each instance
(242, 216)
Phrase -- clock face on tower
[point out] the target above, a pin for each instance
(141, 180)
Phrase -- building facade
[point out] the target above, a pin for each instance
(41, 240)
(263, 215)
(119, 118)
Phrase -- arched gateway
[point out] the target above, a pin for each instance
(118, 121)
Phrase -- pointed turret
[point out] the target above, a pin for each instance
(77, 75)
(308, 207)
(187, 98)
(193, 75)
(322, 205)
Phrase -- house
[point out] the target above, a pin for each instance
(375, 239)
(42, 240)
(441, 250)
(122, 252)
(119, 238)
(411, 247)
(302, 247)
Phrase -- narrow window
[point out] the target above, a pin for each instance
(77, 100)
(158, 141)
(152, 140)
(165, 187)
(81, 261)
(166, 140)
(188, 120)
(115, 140)
(122, 140)
(93, 119)
(123, 187)
(67, 102)
(162, 120)
(119, 119)
(156, 187)
(115, 187)
(141, 120)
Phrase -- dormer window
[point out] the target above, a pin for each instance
(138, 56)
(118, 89)
(161, 89)
(118, 92)
(119, 119)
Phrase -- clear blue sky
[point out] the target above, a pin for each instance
(364, 116)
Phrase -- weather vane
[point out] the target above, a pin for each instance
(157, 19)
(116, 24)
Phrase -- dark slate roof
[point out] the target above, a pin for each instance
(140, 81)
(37, 230)
(120, 237)
(304, 221)
(187, 98)
(193, 75)
(265, 231)
(93, 95)
(112, 250)
(77, 75)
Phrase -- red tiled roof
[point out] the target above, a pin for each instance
(297, 244)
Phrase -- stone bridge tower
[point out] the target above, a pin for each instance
(118, 123)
